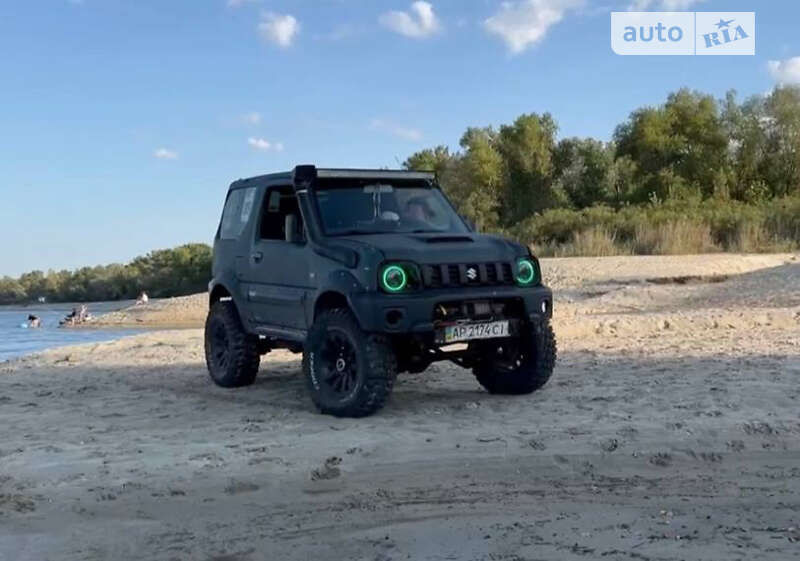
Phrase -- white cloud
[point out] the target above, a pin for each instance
(785, 71)
(165, 154)
(253, 118)
(264, 145)
(666, 5)
(406, 133)
(421, 22)
(279, 29)
(525, 22)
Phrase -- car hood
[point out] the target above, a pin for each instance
(438, 248)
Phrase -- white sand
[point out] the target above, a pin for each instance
(671, 430)
(186, 311)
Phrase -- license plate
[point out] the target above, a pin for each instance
(472, 331)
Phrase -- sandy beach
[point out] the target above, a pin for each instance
(670, 431)
(173, 313)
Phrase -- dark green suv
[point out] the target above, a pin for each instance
(370, 274)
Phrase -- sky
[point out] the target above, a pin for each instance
(123, 122)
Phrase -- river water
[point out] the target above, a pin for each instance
(15, 340)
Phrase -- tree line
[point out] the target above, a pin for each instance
(691, 151)
(163, 273)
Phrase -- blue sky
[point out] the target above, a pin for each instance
(124, 121)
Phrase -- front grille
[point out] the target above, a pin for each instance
(453, 274)
(467, 274)
(449, 312)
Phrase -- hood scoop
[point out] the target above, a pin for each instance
(447, 239)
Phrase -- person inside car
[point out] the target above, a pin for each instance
(417, 210)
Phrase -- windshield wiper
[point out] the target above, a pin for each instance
(362, 232)
(356, 232)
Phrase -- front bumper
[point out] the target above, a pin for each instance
(413, 313)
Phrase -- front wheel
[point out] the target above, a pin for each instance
(349, 373)
(517, 366)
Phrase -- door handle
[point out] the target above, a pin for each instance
(256, 257)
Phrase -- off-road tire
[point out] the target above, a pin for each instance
(240, 350)
(538, 360)
(376, 366)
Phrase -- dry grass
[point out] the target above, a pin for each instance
(750, 237)
(680, 237)
(595, 242)
(754, 238)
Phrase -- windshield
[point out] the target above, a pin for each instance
(383, 208)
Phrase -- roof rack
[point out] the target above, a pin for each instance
(308, 173)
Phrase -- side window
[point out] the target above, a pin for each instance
(237, 213)
(279, 202)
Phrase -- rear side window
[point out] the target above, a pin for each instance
(237, 212)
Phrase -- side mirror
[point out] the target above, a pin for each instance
(290, 229)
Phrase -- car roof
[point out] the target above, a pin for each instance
(334, 173)
(262, 179)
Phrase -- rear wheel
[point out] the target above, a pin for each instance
(349, 373)
(232, 355)
(517, 366)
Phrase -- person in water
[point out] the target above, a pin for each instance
(71, 318)
(143, 299)
(34, 322)
(78, 315)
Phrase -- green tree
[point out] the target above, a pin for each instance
(11, 291)
(526, 147)
(437, 160)
(743, 124)
(477, 181)
(679, 146)
(33, 283)
(781, 167)
(583, 170)
(623, 180)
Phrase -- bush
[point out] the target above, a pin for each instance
(672, 227)
(783, 219)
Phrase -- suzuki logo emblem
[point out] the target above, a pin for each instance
(472, 274)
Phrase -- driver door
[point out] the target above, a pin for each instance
(276, 276)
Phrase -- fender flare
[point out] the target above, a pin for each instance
(339, 282)
(231, 286)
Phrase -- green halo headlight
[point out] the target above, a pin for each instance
(526, 272)
(394, 278)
